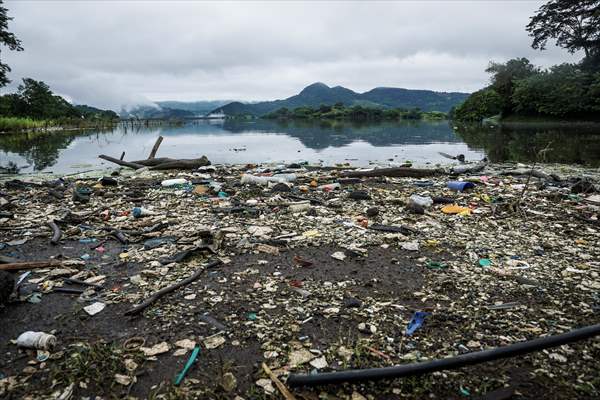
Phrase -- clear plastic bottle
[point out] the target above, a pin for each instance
(36, 340)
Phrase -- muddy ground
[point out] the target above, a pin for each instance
(259, 298)
(387, 275)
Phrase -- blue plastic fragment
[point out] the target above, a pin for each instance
(415, 323)
(188, 365)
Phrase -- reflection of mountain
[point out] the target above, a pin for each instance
(323, 134)
(520, 143)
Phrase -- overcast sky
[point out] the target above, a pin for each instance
(109, 53)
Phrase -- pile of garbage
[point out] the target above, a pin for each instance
(244, 274)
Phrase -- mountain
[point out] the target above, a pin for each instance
(197, 107)
(157, 112)
(90, 112)
(382, 97)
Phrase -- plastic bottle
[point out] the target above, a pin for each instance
(329, 187)
(36, 340)
(173, 182)
(139, 212)
(421, 200)
(264, 180)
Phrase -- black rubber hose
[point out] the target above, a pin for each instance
(446, 363)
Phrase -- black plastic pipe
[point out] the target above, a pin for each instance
(446, 363)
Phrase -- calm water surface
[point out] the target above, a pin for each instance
(326, 142)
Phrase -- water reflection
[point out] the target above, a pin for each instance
(320, 141)
(567, 143)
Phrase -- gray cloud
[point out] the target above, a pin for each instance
(110, 53)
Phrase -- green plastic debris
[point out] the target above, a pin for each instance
(188, 365)
(465, 391)
(485, 262)
(436, 265)
(252, 316)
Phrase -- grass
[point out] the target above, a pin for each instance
(18, 124)
(15, 124)
(95, 365)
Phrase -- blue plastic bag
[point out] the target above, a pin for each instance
(416, 321)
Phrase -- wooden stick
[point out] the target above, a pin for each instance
(150, 300)
(155, 148)
(284, 391)
(56, 232)
(29, 265)
(122, 156)
(120, 162)
(393, 172)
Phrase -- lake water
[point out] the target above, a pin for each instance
(262, 141)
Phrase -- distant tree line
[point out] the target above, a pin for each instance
(356, 113)
(566, 90)
(35, 102)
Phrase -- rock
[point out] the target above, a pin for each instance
(359, 195)
(372, 212)
(351, 302)
(319, 363)
(339, 255)
(299, 357)
(280, 187)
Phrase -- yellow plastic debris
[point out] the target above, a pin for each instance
(456, 209)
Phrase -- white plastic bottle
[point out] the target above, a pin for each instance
(36, 340)
(173, 182)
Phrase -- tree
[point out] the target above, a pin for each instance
(9, 40)
(575, 24)
(481, 104)
(505, 75)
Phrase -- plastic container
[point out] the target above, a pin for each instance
(299, 207)
(421, 200)
(264, 180)
(36, 340)
(139, 212)
(173, 182)
(329, 187)
(460, 186)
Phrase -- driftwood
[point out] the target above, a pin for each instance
(150, 300)
(56, 232)
(155, 147)
(404, 172)
(154, 161)
(120, 162)
(183, 164)
(160, 163)
(29, 265)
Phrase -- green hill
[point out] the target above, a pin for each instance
(318, 94)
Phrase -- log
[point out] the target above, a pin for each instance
(154, 161)
(183, 164)
(173, 163)
(29, 265)
(120, 162)
(403, 172)
(150, 300)
(155, 147)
